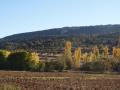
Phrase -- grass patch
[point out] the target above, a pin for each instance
(9, 87)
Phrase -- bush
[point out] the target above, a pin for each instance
(3, 59)
(33, 61)
(53, 65)
(66, 62)
(86, 66)
(115, 66)
(101, 66)
(41, 67)
(23, 61)
(96, 66)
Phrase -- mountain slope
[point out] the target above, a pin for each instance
(54, 39)
(67, 31)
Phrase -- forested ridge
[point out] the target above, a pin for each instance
(54, 39)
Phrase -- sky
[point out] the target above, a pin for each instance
(18, 16)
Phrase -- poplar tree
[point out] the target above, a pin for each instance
(106, 52)
(68, 55)
(77, 57)
(96, 53)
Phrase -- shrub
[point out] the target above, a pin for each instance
(23, 61)
(3, 59)
(96, 66)
(86, 66)
(53, 65)
(33, 61)
(115, 66)
(41, 67)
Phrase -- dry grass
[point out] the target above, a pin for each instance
(60, 81)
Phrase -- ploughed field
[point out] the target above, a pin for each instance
(59, 81)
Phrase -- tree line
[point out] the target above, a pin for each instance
(77, 60)
(92, 61)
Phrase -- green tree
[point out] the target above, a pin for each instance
(3, 59)
(23, 61)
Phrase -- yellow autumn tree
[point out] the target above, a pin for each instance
(95, 53)
(92, 57)
(116, 53)
(106, 52)
(77, 57)
(34, 57)
(85, 57)
(68, 63)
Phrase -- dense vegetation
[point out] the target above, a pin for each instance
(93, 60)
(21, 60)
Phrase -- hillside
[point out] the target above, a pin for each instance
(55, 38)
(67, 31)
